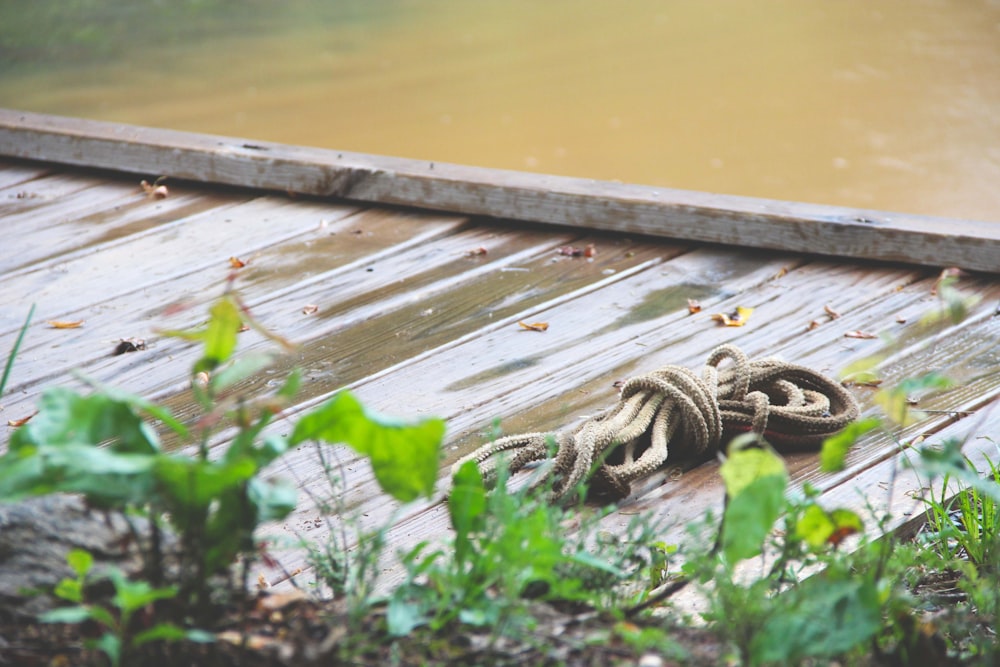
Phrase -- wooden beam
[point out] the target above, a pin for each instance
(559, 200)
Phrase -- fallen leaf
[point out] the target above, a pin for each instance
(571, 251)
(129, 345)
(243, 327)
(22, 421)
(694, 306)
(272, 602)
(900, 319)
(262, 582)
(62, 324)
(831, 312)
(737, 318)
(154, 190)
(309, 309)
(950, 272)
(478, 252)
(814, 324)
(863, 382)
(236, 263)
(534, 326)
(859, 334)
(783, 271)
(590, 250)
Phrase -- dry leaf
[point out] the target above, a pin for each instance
(534, 326)
(859, 334)
(814, 324)
(694, 306)
(900, 319)
(831, 312)
(590, 250)
(262, 582)
(236, 263)
(571, 251)
(781, 273)
(737, 318)
(478, 252)
(22, 421)
(309, 309)
(62, 324)
(129, 345)
(950, 272)
(154, 190)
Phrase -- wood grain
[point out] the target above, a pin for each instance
(677, 214)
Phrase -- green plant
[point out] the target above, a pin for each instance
(9, 364)
(509, 546)
(967, 525)
(105, 446)
(120, 637)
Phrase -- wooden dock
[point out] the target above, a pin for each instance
(405, 281)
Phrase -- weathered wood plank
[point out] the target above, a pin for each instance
(687, 215)
(698, 487)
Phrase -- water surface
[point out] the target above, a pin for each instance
(892, 104)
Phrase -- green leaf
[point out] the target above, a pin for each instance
(467, 507)
(131, 596)
(218, 336)
(863, 370)
(817, 527)
(245, 367)
(160, 632)
(822, 617)
(66, 615)
(195, 483)
(111, 646)
(64, 417)
(9, 365)
(835, 447)
(81, 561)
(755, 480)
(274, 498)
(70, 590)
(404, 456)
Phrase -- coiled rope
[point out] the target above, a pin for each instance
(674, 411)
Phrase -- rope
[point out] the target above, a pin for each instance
(790, 406)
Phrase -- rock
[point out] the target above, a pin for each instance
(35, 536)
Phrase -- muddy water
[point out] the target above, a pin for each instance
(892, 104)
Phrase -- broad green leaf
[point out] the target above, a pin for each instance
(130, 596)
(65, 417)
(70, 590)
(160, 632)
(822, 617)
(240, 369)
(746, 463)
(755, 479)
(818, 528)
(194, 484)
(112, 647)
(467, 507)
(81, 561)
(750, 516)
(218, 336)
(835, 447)
(274, 498)
(404, 456)
(66, 615)
(106, 477)
(862, 370)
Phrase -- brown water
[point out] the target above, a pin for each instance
(892, 104)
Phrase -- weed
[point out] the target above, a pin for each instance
(119, 639)
(105, 447)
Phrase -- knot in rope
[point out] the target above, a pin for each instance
(791, 407)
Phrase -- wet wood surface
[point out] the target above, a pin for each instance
(419, 321)
(573, 202)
